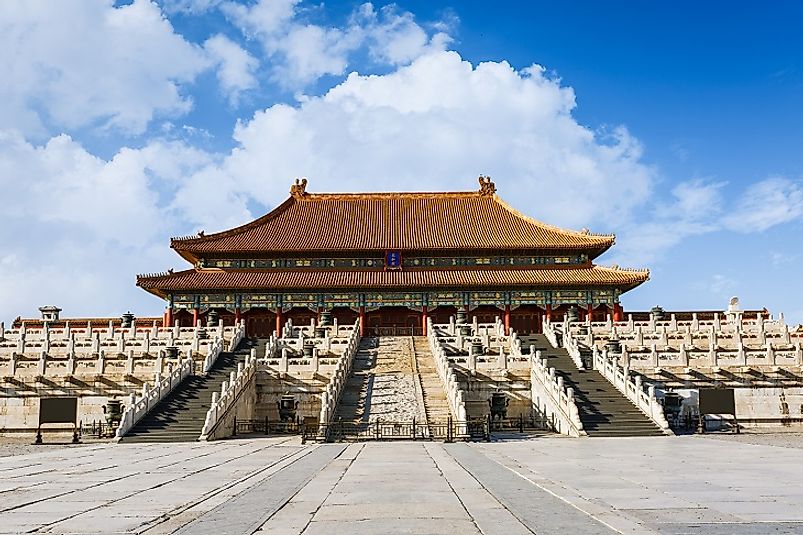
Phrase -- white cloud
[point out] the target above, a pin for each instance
(302, 52)
(236, 67)
(191, 7)
(394, 37)
(433, 125)
(699, 207)
(76, 228)
(767, 203)
(718, 285)
(86, 62)
(694, 208)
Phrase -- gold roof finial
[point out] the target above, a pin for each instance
(299, 189)
(487, 187)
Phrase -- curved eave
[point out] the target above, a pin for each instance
(214, 280)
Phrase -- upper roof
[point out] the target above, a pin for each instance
(337, 222)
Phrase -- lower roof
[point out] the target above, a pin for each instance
(200, 280)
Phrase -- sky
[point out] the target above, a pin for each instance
(677, 126)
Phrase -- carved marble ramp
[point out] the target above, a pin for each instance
(247, 511)
(538, 510)
(382, 383)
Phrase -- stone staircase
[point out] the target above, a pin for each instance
(604, 411)
(354, 397)
(381, 385)
(181, 415)
(436, 406)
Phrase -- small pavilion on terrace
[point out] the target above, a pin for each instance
(391, 259)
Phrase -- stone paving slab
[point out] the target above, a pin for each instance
(661, 483)
(247, 511)
(673, 485)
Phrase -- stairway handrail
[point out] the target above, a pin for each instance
(334, 388)
(446, 372)
(151, 396)
(550, 331)
(231, 390)
(217, 346)
(552, 398)
(632, 388)
(571, 344)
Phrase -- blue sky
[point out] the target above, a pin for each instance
(676, 126)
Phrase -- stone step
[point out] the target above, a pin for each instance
(181, 415)
(604, 411)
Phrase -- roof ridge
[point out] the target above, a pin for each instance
(616, 267)
(555, 228)
(384, 194)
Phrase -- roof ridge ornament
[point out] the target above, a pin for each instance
(299, 188)
(487, 187)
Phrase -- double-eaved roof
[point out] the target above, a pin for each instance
(344, 224)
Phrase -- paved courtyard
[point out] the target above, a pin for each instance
(547, 485)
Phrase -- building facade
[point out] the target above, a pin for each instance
(391, 259)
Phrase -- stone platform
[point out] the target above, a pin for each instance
(544, 484)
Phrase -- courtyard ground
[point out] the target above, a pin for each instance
(717, 484)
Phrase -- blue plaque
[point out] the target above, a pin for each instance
(393, 260)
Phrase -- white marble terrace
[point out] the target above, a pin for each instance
(726, 341)
(481, 346)
(110, 351)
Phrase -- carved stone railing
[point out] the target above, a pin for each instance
(561, 335)
(331, 395)
(486, 348)
(151, 396)
(572, 347)
(550, 332)
(116, 351)
(731, 338)
(632, 388)
(218, 344)
(553, 400)
(451, 386)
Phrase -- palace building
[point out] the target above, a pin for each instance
(393, 260)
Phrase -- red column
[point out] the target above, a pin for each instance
(195, 313)
(168, 321)
(618, 313)
(590, 312)
(237, 316)
(549, 312)
(507, 320)
(278, 322)
(362, 321)
(424, 320)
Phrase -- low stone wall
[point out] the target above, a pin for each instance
(21, 414)
(271, 387)
(244, 409)
(769, 406)
(478, 389)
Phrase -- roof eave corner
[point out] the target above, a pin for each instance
(602, 248)
(155, 291)
(186, 254)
